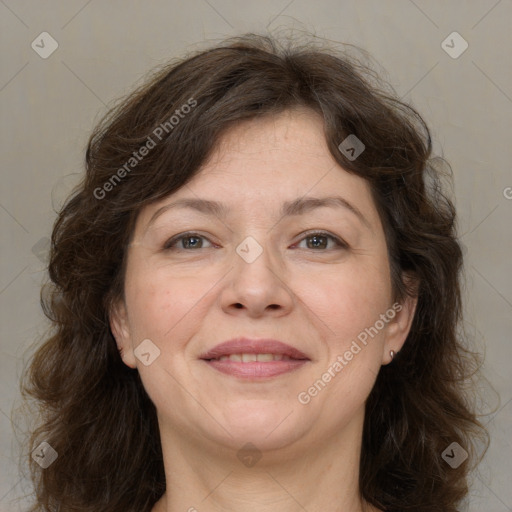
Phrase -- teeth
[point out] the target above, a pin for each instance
(249, 358)
(264, 358)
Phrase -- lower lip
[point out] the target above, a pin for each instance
(255, 369)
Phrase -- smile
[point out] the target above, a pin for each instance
(254, 358)
(250, 358)
(255, 366)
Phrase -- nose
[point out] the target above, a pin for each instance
(257, 288)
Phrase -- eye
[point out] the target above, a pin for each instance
(320, 240)
(187, 241)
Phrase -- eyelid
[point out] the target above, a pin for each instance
(188, 234)
(176, 238)
(338, 241)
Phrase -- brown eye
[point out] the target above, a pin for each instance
(192, 242)
(187, 241)
(317, 242)
(321, 241)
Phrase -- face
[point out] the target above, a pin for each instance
(271, 240)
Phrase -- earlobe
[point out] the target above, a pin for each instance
(400, 326)
(119, 326)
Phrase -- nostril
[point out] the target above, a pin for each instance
(270, 306)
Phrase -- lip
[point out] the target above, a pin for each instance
(254, 370)
(253, 346)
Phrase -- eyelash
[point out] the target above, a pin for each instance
(338, 241)
(172, 241)
(170, 244)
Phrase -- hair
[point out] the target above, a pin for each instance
(94, 410)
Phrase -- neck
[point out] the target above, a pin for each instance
(208, 477)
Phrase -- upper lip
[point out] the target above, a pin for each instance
(253, 346)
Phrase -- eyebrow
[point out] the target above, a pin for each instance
(299, 206)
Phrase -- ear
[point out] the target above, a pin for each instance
(121, 330)
(399, 326)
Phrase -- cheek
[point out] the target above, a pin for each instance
(347, 299)
(349, 302)
(159, 299)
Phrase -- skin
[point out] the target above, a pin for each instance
(318, 299)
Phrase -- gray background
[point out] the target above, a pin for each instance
(50, 105)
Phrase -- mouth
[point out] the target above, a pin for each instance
(254, 359)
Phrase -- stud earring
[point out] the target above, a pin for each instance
(392, 354)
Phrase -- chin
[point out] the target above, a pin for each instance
(267, 427)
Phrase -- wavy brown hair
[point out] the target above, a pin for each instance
(94, 410)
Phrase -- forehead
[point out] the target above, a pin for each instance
(275, 143)
(262, 163)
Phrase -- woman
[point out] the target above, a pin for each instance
(255, 294)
